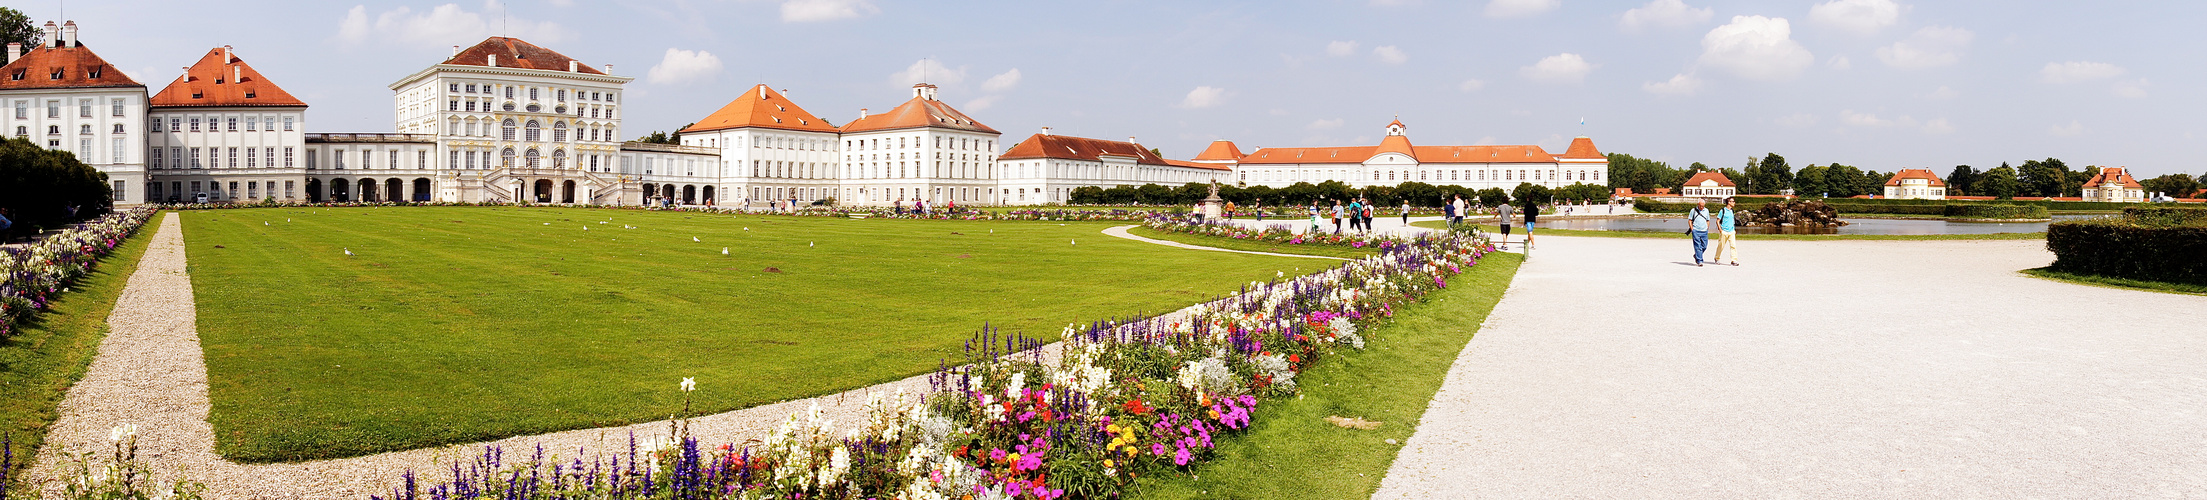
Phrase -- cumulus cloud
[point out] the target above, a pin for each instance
(684, 66)
(1683, 84)
(2134, 89)
(1930, 47)
(1204, 97)
(979, 104)
(1471, 85)
(1002, 81)
(1665, 14)
(1943, 93)
(805, 11)
(928, 71)
(1519, 8)
(2073, 129)
(443, 25)
(1858, 16)
(1560, 68)
(1340, 48)
(1867, 120)
(1841, 63)
(1325, 124)
(1390, 54)
(1850, 117)
(1938, 126)
(1797, 120)
(2078, 71)
(1756, 48)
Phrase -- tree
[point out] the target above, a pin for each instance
(1493, 197)
(1767, 176)
(17, 27)
(1810, 181)
(2044, 178)
(1535, 192)
(1418, 193)
(1642, 175)
(38, 185)
(2173, 185)
(1998, 183)
(1086, 195)
(1962, 181)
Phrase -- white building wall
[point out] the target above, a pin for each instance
(104, 127)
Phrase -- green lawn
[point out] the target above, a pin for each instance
(1797, 237)
(1255, 246)
(1292, 452)
(462, 324)
(2111, 282)
(43, 358)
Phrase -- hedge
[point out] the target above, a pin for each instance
(1997, 211)
(2153, 244)
(1844, 207)
(1745, 203)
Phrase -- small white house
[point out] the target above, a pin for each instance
(1709, 185)
(1915, 184)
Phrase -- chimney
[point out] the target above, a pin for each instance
(861, 113)
(50, 35)
(924, 91)
(237, 73)
(226, 54)
(69, 34)
(608, 69)
(1130, 140)
(1045, 130)
(14, 49)
(573, 66)
(455, 51)
(493, 60)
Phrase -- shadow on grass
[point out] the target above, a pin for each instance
(2112, 282)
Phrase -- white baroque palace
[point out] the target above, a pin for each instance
(65, 97)
(1395, 161)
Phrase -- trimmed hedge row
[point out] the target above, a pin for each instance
(1845, 207)
(2153, 244)
(1746, 203)
(1997, 211)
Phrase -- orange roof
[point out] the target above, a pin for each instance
(1582, 148)
(1220, 150)
(209, 83)
(764, 108)
(1082, 148)
(1426, 154)
(1915, 173)
(1191, 164)
(916, 113)
(50, 67)
(2115, 175)
(1396, 144)
(1484, 154)
(1709, 176)
(514, 53)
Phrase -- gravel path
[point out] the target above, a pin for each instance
(1615, 368)
(1121, 231)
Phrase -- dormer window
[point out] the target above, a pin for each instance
(57, 74)
(196, 95)
(95, 73)
(249, 94)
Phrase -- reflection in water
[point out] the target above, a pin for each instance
(1854, 226)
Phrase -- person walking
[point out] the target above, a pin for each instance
(1448, 213)
(1368, 210)
(4, 225)
(1337, 213)
(1727, 236)
(1532, 213)
(1356, 214)
(1502, 217)
(1313, 209)
(1697, 224)
(1461, 208)
(1406, 213)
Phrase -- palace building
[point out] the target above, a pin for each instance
(1046, 168)
(62, 95)
(2114, 184)
(1395, 160)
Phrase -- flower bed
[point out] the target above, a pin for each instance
(1277, 233)
(1020, 418)
(32, 276)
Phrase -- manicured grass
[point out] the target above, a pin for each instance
(1292, 452)
(2110, 282)
(44, 357)
(459, 324)
(1798, 237)
(1254, 246)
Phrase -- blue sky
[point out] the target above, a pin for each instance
(1880, 84)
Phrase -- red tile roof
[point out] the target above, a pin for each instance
(916, 113)
(1582, 148)
(2117, 175)
(1078, 148)
(49, 67)
(764, 108)
(1424, 154)
(1220, 150)
(1396, 144)
(1204, 166)
(209, 83)
(514, 53)
(1710, 176)
(1915, 173)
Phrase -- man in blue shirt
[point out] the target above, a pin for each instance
(1698, 222)
(1726, 235)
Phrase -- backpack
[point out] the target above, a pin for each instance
(5, 223)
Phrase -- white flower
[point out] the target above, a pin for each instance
(689, 384)
(119, 432)
(1013, 389)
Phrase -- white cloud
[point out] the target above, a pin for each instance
(1930, 47)
(1520, 8)
(1683, 84)
(443, 25)
(979, 104)
(1943, 93)
(1340, 48)
(1859, 16)
(684, 66)
(2074, 129)
(1560, 68)
(1325, 124)
(928, 71)
(1756, 48)
(1666, 14)
(1204, 97)
(1471, 85)
(1797, 120)
(1938, 126)
(1390, 54)
(805, 11)
(2079, 71)
(2134, 89)
(1002, 82)
(1863, 119)
(1840, 63)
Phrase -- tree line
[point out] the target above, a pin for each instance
(42, 188)
(1770, 175)
(1415, 193)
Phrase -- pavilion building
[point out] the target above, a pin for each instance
(1709, 185)
(2115, 185)
(1045, 168)
(1915, 184)
(66, 98)
(1395, 160)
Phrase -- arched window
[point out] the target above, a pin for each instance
(530, 158)
(559, 158)
(532, 132)
(22, 130)
(507, 134)
(559, 131)
(505, 158)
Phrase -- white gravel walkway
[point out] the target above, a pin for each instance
(1121, 232)
(1877, 369)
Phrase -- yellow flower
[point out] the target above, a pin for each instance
(1107, 463)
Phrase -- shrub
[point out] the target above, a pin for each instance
(1997, 211)
(1845, 207)
(2153, 244)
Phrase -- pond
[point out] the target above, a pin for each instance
(1854, 226)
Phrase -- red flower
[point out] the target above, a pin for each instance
(1135, 406)
(1295, 358)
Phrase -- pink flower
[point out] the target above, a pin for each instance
(1182, 457)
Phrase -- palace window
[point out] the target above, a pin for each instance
(393, 164)
(509, 91)
(85, 129)
(559, 132)
(252, 122)
(455, 88)
(287, 158)
(559, 158)
(156, 163)
(454, 160)
(84, 108)
(22, 110)
(195, 124)
(532, 93)
(562, 95)
(471, 88)
(530, 158)
(118, 105)
(176, 157)
(507, 133)
(454, 105)
(250, 159)
(505, 158)
(532, 132)
(287, 124)
(195, 157)
(233, 124)
(53, 108)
